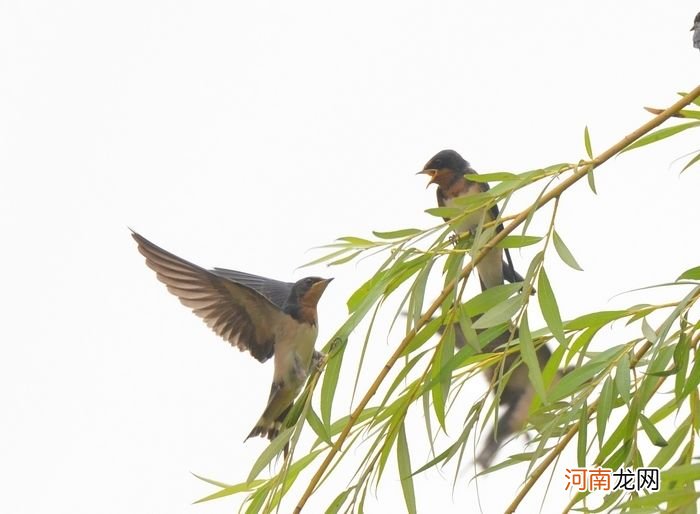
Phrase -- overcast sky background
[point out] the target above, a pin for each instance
(241, 135)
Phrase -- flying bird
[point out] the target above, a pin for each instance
(695, 29)
(265, 317)
(451, 173)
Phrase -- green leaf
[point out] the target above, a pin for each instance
(654, 435)
(273, 449)
(500, 176)
(590, 177)
(318, 427)
(529, 355)
(549, 307)
(518, 241)
(581, 447)
(444, 212)
(337, 503)
(330, 383)
(403, 458)
(690, 274)
(660, 134)
(397, 234)
(691, 162)
(358, 242)
(564, 253)
(587, 142)
(500, 313)
(489, 298)
(605, 403)
(622, 378)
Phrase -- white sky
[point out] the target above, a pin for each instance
(242, 135)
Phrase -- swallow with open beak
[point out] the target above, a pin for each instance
(266, 317)
(451, 173)
(695, 29)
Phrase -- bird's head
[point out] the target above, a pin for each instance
(444, 168)
(308, 291)
(696, 22)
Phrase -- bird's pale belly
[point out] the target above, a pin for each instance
(294, 348)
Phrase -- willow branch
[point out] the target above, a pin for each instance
(581, 171)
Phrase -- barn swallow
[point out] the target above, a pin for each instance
(696, 31)
(517, 392)
(450, 172)
(263, 316)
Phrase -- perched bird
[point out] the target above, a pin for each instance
(696, 31)
(451, 173)
(263, 316)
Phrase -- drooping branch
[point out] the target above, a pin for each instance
(580, 172)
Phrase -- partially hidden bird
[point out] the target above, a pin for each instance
(266, 317)
(695, 29)
(450, 172)
(517, 390)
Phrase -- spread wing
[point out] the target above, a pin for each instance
(274, 290)
(236, 312)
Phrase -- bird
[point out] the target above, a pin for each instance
(450, 171)
(516, 393)
(695, 29)
(266, 317)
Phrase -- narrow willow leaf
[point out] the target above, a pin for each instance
(500, 176)
(330, 383)
(565, 253)
(489, 298)
(581, 447)
(691, 162)
(649, 332)
(318, 427)
(652, 433)
(257, 500)
(397, 234)
(527, 350)
(595, 319)
(605, 404)
(232, 489)
(590, 177)
(517, 241)
(403, 458)
(693, 380)
(660, 134)
(338, 502)
(269, 453)
(622, 378)
(345, 259)
(358, 242)
(444, 212)
(549, 307)
(499, 313)
(690, 274)
(327, 257)
(211, 481)
(681, 357)
(665, 454)
(587, 142)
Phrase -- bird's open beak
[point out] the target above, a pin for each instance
(432, 173)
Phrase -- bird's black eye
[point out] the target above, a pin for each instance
(308, 282)
(437, 163)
